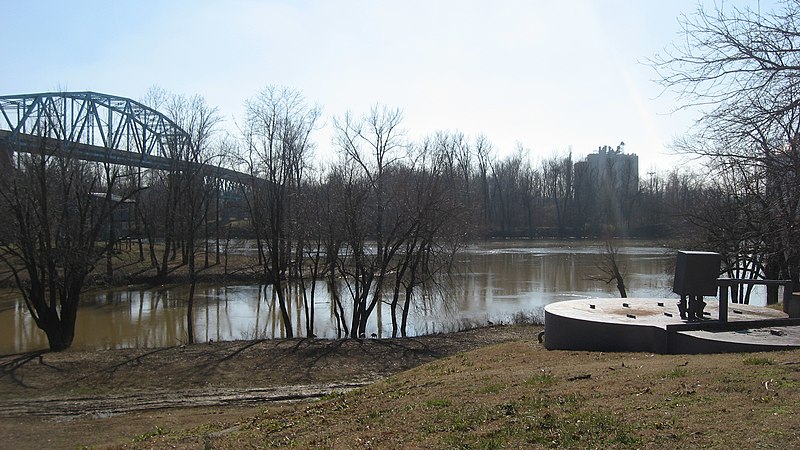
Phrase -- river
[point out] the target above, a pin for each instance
(496, 282)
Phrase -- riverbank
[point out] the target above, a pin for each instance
(78, 398)
(485, 388)
(129, 267)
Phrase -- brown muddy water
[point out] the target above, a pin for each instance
(497, 282)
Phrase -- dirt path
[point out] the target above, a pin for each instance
(112, 404)
(87, 398)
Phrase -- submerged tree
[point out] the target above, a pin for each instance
(277, 149)
(174, 205)
(609, 265)
(370, 148)
(440, 222)
(196, 188)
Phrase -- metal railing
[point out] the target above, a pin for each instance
(731, 285)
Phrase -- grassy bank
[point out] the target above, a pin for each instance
(517, 394)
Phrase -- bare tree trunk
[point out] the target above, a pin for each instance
(190, 306)
(609, 267)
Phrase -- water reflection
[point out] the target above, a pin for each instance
(493, 282)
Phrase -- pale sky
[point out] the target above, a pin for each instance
(548, 74)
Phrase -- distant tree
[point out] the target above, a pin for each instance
(557, 181)
(531, 186)
(652, 215)
(484, 158)
(455, 155)
(515, 187)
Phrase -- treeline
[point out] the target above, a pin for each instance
(519, 195)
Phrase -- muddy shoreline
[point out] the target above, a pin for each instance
(109, 397)
(235, 372)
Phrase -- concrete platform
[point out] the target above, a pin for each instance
(654, 325)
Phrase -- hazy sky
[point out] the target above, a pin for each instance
(548, 74)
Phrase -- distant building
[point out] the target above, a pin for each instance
(606, 184)
(609, 169)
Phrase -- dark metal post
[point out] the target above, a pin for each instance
(772, 294)
(723, 300)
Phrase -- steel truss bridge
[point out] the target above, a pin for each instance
(100, 128)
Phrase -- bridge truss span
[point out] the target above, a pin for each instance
(103, 128)
(93, 119)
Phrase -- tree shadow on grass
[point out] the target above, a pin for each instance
(9, 368)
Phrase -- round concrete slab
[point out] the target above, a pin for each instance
(654, 325)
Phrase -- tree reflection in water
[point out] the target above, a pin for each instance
(494, 282)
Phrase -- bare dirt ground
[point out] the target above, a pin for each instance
(73, 398)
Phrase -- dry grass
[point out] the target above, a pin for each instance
(517, 394)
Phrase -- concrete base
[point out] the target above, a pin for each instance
(654, 325)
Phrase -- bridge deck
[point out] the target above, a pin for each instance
(87, 152)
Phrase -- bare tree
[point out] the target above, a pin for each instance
(55, 211)
(610, 267)
(484, 157)
(370, 147)
(277, 139)
(314, 233)
(157, 204)
(440, 222)
(741, 67)
(338, 204)
(356, 263)
(558, 187)
(194, 182)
